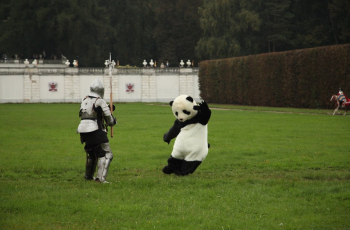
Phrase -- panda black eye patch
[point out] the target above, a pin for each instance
(186, 112)
(189, 98)
(176, 113)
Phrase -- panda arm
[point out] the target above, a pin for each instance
(173, 131)
(204, 112)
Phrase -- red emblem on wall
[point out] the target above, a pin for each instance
(52, 86)
(129, 87)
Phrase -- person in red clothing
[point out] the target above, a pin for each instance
(342, 97)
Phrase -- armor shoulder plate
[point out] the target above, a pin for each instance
(86, 109)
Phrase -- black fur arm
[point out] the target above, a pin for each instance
(173, 132)
(204, 112)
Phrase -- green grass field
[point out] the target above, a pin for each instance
(267, 168)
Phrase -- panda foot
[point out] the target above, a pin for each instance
(167, 170)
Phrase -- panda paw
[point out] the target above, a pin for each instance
(201, 106)
(165, 139)
(168, 170)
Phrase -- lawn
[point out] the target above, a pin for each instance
(267, 168)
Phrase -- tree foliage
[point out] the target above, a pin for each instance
(59, 27)
(134, 30)
(131, 39)
(276, 23)
(177, 29)
(229, 28)
(270, 25)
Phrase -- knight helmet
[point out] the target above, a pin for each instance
(96, 89)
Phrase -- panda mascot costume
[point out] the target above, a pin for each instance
(191, 131)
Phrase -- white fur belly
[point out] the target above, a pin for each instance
(192, 143)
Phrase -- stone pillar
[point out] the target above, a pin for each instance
(186, 79)
(149, 85)
(76, 88)
(145, 87)
(189, 85)
(27, 91)
(153, 88)
(186, 85)
(68, 88)
(31, 84)
(35, 88)
(71, 85)
(149, 88)
(183, 85)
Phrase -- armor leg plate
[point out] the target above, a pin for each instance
(90, 168)
(103, 163)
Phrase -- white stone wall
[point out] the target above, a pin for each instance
(32, 85)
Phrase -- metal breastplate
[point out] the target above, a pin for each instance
(88, 116)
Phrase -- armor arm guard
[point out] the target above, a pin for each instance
(110, 120)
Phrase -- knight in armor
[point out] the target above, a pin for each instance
(95, 117)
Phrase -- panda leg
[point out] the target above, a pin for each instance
(174, 166)
(189, 167)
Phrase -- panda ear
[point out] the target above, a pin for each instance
(189, 98)
(171, 103)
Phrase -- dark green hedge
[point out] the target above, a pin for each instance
(302, 78)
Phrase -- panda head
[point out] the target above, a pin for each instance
(182, 108)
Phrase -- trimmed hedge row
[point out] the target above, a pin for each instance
(304, 78)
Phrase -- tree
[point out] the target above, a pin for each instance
(134, 30)
(4, 16)
(177, 29)
(74, 28)
(339, 16)
(131, 39)
(229, 28)
(320, 23)
(276, 24)
(311, 26)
